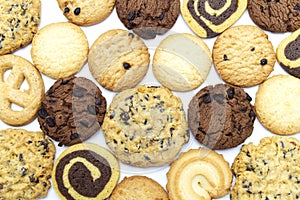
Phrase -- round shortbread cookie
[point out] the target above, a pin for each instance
(18, 104)
(199, 174)
(19, 23)
(59, 50)
(288, 54)
(243, 56)
(118, 60)
(85, 171)
(145, 126)
(181, 62)
(269, 170)
(209, 18)
(86, 13)
(277, 104)
(139, 187)
(25, 165)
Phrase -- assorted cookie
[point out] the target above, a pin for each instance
(118, 60)
(26, 164)
(85, 171)
(277, 104)
(199, 174)
(269, 170)
(145, 126)
(221, 116)
(209, 18)
(288, 53)
(181, 62)
(243, 56)
(148, 18)
(72, 110)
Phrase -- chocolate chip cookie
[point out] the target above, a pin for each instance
(221, 116)
(72, 110)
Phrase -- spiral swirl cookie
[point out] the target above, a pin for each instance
(221, 116)
(85, 171)
(199, 174)
(209, 18)
(269, 170)
(288, 54)
(26, 164)
(72, 110)
(145, 126)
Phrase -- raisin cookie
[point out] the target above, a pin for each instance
(243, 56)
(199, 174)
(19, 23)
(147, 18)
(209, 18)
(275, 15)
(53, 49)
(181, 62)
(25, 165)
(72, 110)
(269, 170)
(85, 171)
(86, 13)
(221, 116)
(277, 104)
(145, 126)
(118, 60)
(139, 187)
(288, 54)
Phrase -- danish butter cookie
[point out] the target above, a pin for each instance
(221, 116)
(209, 18)
(181, 62)
(118, 60)
(269, 170)
(19, 23)
(139, 187)
(86, 13)
(243, 56)
(59, 50)
(148, 18)
(275, 15)
(13, 93)
(277, 104)
(72, 110)
(85, 171)
(145, 126)
(288, 54)
(199, 174)
(25, 165)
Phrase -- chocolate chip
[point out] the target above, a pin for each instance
(147, 158)
(20, 157)
(263, 61)
(248, 97)
(230, 93)
(161, 16)
(23, 171)
(42, 113)
(269, 0)
(124, 116)
(225, 57)
(253, 49)
(219, 98)
(126, 65)
(297, 7)
(50, 92)
(131, 16)
(66, 10)
(84, 123)
(139, 14)
(92, 109)
(98, 102)
(74, 136)
(252, 114)
(112, 115)
(244, 109)
(131, 35)
(50, 121)
(206, 99)
(64, 82)
(77, 11)
(77, 92)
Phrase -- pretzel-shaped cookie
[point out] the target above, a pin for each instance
(11, 92)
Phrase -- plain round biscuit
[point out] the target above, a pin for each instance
(19, 23)
(139, 187)
(59, 50)
(12, 92)
(243, 56)
(181, 62)
(86, 13)
(277, 104)
(206, 25)
(109, 55)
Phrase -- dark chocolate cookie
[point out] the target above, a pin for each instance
(221, 116)
(147, 18)
(275, 15)
(72, 110)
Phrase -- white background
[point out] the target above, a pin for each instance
(51, 13)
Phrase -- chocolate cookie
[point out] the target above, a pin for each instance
(72, 110)
(221, 116)
(147, 18)
(275, 15)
